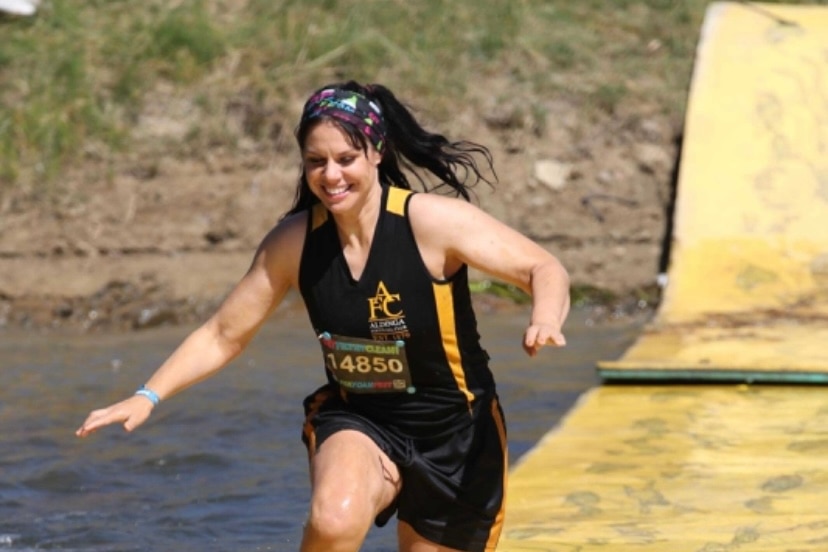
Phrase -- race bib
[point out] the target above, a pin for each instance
(367, 366)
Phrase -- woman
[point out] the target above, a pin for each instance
(409, 420)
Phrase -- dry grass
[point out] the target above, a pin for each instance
(79, 78)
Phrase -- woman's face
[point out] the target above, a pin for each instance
(338, 173)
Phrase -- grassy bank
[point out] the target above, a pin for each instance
(98, 98)
(77, 76)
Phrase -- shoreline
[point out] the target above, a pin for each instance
(83, 295)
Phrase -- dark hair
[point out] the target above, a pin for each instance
(409, 147)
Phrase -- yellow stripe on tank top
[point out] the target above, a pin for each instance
(396, 200)
(448, 332)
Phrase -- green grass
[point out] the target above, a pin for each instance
(500, 289)
(76, 77)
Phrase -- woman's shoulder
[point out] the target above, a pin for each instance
(440, 220)
(294, 220)
(288, 233)
(439, 208)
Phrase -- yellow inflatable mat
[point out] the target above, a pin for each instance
(747, 292)
(677, 468)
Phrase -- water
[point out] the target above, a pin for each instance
(221, 466)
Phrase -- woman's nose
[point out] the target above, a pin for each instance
(332, 171)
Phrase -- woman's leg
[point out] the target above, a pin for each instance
(410, 541)
(352, 480)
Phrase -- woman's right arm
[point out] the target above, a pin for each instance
(225, 335)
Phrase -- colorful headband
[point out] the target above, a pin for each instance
(349, 107)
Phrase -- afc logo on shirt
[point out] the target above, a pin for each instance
(381, 306)
(386, 319)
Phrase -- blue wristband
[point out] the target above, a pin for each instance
(145, 391)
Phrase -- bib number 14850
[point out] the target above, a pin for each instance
(365, 364)
(362, 365)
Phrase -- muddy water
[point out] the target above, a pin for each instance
(221, 466)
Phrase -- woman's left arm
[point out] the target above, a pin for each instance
(451, 232)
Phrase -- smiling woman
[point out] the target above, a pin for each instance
(409, 420)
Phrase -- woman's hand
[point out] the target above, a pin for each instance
(132, 412)
(540, 335)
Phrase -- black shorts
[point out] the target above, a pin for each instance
(453, 486)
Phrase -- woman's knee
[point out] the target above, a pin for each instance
(336, 515)
(350, 467)
(352, 480)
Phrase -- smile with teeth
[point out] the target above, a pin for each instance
(338, 190)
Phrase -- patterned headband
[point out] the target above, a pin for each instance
(349, 107)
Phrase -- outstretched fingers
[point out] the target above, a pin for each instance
(541, 335)
(131, 413)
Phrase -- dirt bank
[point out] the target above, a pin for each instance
(144, 239)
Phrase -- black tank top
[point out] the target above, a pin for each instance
(396, 298)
